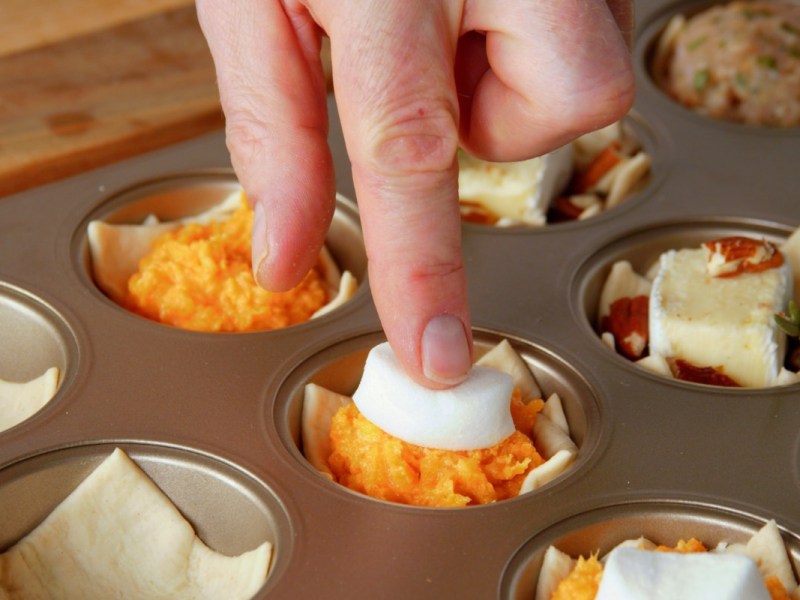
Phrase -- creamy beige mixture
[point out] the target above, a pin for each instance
(739, 61)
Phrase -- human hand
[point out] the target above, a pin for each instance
(413, 80)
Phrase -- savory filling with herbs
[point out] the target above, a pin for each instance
(738, 61)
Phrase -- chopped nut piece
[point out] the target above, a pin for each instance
(628, 321)
(731, 256)
(564, 209)
(686, 371)
(475, 212)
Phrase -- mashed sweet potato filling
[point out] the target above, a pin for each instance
(199, 277)
(366, 459)
(583, 582)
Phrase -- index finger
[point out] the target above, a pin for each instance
(399, 114)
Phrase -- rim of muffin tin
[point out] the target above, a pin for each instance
(166, 196)
(662, 520)
(230, 510)
(648, 32)
(40, 334)
(338, 367)
(653, 139)
(588, 278)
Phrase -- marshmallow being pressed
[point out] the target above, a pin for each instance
(634, 574)
(474, 414)
(721, 322)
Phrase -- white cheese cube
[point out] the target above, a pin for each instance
(634, 574)
(721, 322)
(518, 192)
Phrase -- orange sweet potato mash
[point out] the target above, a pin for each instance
(366, 459)
(583, 581)
(200, 277)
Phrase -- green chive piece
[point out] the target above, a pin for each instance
(790, 322)
(794, 312)
(768, 61)
(789, 28)
(700, 80)
(697, 42)
(741, 80)
(749, 13)
(790, 328)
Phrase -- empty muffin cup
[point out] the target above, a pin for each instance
(38, 353)
(192, 522)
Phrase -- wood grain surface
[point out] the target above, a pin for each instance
(105, 87)
(26, 24)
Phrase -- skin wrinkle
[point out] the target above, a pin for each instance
(413, 144)
(243, 116)
(445, 251)
(427, 226)
(309, 37)
(410, 135)
(241, 132)
(247, 82)
(471, 66)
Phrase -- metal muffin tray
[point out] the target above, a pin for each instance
(214, 418)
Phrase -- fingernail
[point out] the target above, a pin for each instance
(445, 352)
(259, 249)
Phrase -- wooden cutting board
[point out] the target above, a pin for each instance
(84, 84)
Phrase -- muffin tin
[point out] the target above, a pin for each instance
(214, 418)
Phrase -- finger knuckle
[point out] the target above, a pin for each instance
(613, 95)
(421, 137)
(244, 137)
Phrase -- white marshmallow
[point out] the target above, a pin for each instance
(474, 414)
(634, 574)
